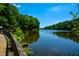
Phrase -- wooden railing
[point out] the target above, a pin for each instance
(13, 46)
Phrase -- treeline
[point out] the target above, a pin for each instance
(66, 25)
(72, 25)
(11, 20)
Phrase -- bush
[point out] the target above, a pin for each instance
(19, 34)
(28, 51)
(75, 31)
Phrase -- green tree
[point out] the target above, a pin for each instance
(28, 22)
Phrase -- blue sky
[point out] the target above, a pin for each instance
(47, 13)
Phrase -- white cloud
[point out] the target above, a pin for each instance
(61, 8)
(56, 9)
(18, 6)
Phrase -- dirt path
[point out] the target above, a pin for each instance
(2, 45)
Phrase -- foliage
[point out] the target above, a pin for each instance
(9, 12)
(3, 21)
(12, 19)
(28, 51)
(72, 25)
(19, 34)
(66, 25)
(28, 22)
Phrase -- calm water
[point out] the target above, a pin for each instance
(52, 43)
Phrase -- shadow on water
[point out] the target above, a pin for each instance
(67, 35)
(30, 37)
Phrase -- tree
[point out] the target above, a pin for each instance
(10, 12)
(28, 22)
(4, 22)
(75, 14)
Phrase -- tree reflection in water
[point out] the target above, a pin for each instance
(67, 35)
(30, 37)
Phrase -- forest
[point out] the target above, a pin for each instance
(72, 24)
(11, 20)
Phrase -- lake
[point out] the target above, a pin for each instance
(52, 43)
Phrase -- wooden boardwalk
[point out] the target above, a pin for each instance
(3, 45)
(9, 46)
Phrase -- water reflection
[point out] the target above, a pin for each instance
(31, 36)
(67, 35)
(49, 43)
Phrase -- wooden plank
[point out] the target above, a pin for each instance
(3, 45)
(16, 48)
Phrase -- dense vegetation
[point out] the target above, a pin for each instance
(13, 21)
(66, 25)
(72, 25)
(28, 22)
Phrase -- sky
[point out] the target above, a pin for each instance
(47, 13)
